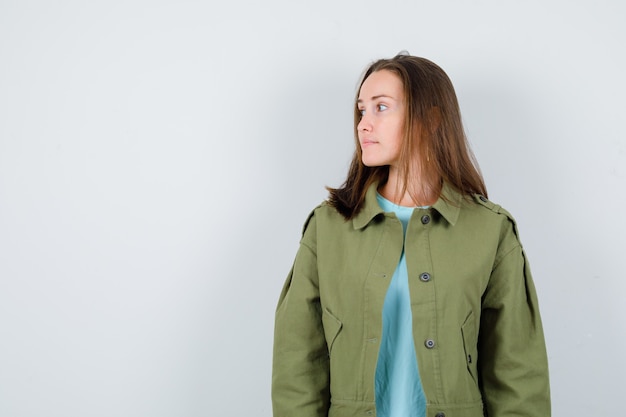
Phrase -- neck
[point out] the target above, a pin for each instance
(417, 193)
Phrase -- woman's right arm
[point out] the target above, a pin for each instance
(300, 373)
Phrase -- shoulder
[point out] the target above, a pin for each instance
(498, 219)
(322, 222)
(325, 214)
(483, 201)
(495, 209)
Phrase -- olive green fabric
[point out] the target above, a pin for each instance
(476, 325)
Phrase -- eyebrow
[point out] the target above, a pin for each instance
(376, 98)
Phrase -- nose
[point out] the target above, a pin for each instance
(364, 124)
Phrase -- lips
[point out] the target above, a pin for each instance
(367, 142)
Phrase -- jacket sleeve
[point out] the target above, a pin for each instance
(512, 355)
(300, 370)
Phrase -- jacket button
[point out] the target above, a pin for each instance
(429, 343)
(440, 415)
(425, 219)
(484, 200)
(425, 277)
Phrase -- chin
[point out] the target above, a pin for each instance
(372, 163)
(368, 164)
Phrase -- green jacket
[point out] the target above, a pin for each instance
(476, 326)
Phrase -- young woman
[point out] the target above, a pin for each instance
(410, 295)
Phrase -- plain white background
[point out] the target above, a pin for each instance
(158, 159)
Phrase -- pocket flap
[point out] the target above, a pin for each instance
(332, 326)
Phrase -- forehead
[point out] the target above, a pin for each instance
(381, 83)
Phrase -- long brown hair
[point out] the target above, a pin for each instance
(434, 141)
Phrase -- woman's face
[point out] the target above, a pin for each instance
(382, 106)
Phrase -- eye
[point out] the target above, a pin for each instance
(362, 112)
(382, 107)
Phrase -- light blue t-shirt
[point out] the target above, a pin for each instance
(398, 386)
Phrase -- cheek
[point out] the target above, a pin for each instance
(398, 137)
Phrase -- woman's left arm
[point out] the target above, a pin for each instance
(513, 363)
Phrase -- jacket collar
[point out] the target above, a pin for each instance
(449, 207)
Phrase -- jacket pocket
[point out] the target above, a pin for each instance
(332, 327)
(468, 331)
